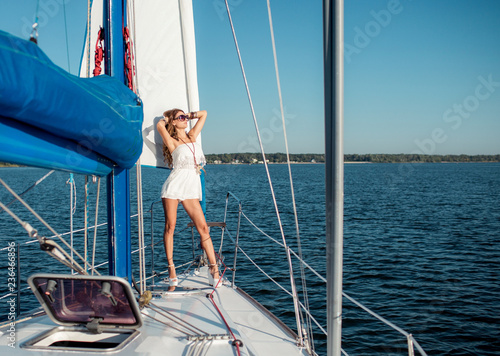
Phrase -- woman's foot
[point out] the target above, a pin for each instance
(172, 276)
(213, 275)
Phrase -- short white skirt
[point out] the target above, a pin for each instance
(182, 184)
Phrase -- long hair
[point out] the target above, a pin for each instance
(170, 116)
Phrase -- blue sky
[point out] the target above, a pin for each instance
(421, 76)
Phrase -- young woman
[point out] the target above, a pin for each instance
(183, 185)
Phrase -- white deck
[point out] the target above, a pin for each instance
(260, 332)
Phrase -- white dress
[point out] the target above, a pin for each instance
(184, 181)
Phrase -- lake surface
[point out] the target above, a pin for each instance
(421, 244)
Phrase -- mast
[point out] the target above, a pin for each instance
(333, 27)
(118, 181)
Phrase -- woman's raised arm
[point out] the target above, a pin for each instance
(202, 117)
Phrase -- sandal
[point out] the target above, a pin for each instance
(172, 281)
(211, 280)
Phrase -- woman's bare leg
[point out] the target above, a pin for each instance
(170, 209)
(195, 212)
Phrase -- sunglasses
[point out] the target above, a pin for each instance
(182, 118)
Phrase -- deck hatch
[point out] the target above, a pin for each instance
(95, 313)
(95, 301)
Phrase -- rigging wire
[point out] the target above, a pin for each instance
(89, 22)
(31, 187)
(171, 316)
(32, 232)
(50, 246)
(86, 221)
(292, 281)
(140, 210)
(66, 31)
(72, 209)
(131, 25)
(140, 232)
(299, 245)
(34, 31)
(95, 224)
(169, 325)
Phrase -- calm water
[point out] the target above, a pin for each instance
(421, 245)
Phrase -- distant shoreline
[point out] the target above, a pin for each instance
(256, 158)
(6, 165)
(313, 158)
(345, 162)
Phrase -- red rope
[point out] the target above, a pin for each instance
(224, 272)
(211, 297)
(129, 57)
(99, 54)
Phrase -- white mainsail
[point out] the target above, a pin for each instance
(165, 54)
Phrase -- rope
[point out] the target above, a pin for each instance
(302, 272)
(279, 285)
(51, 237)
(315, 321)
(66, 32)
(95, 223)
(225, 322)
(306, 309)
(86, 222)
(99, 53)
(51, 247)
(129, 58)
(131, 75)
(34, 31)
(174, 317)
(211, 297)
(162, 322)
(89, 22)
(15, 217)
(323, 279)
(190, 263)
(30, 229)
(260, 269)
(31, 187)
(385, 321)
(131, 24)
(290, 267)
(9, 294)
(263, 233)
(72, 193)
(140, 224)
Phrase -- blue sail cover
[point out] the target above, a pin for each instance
(100, 115)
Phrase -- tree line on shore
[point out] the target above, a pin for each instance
(254, 158)
(368, 158)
